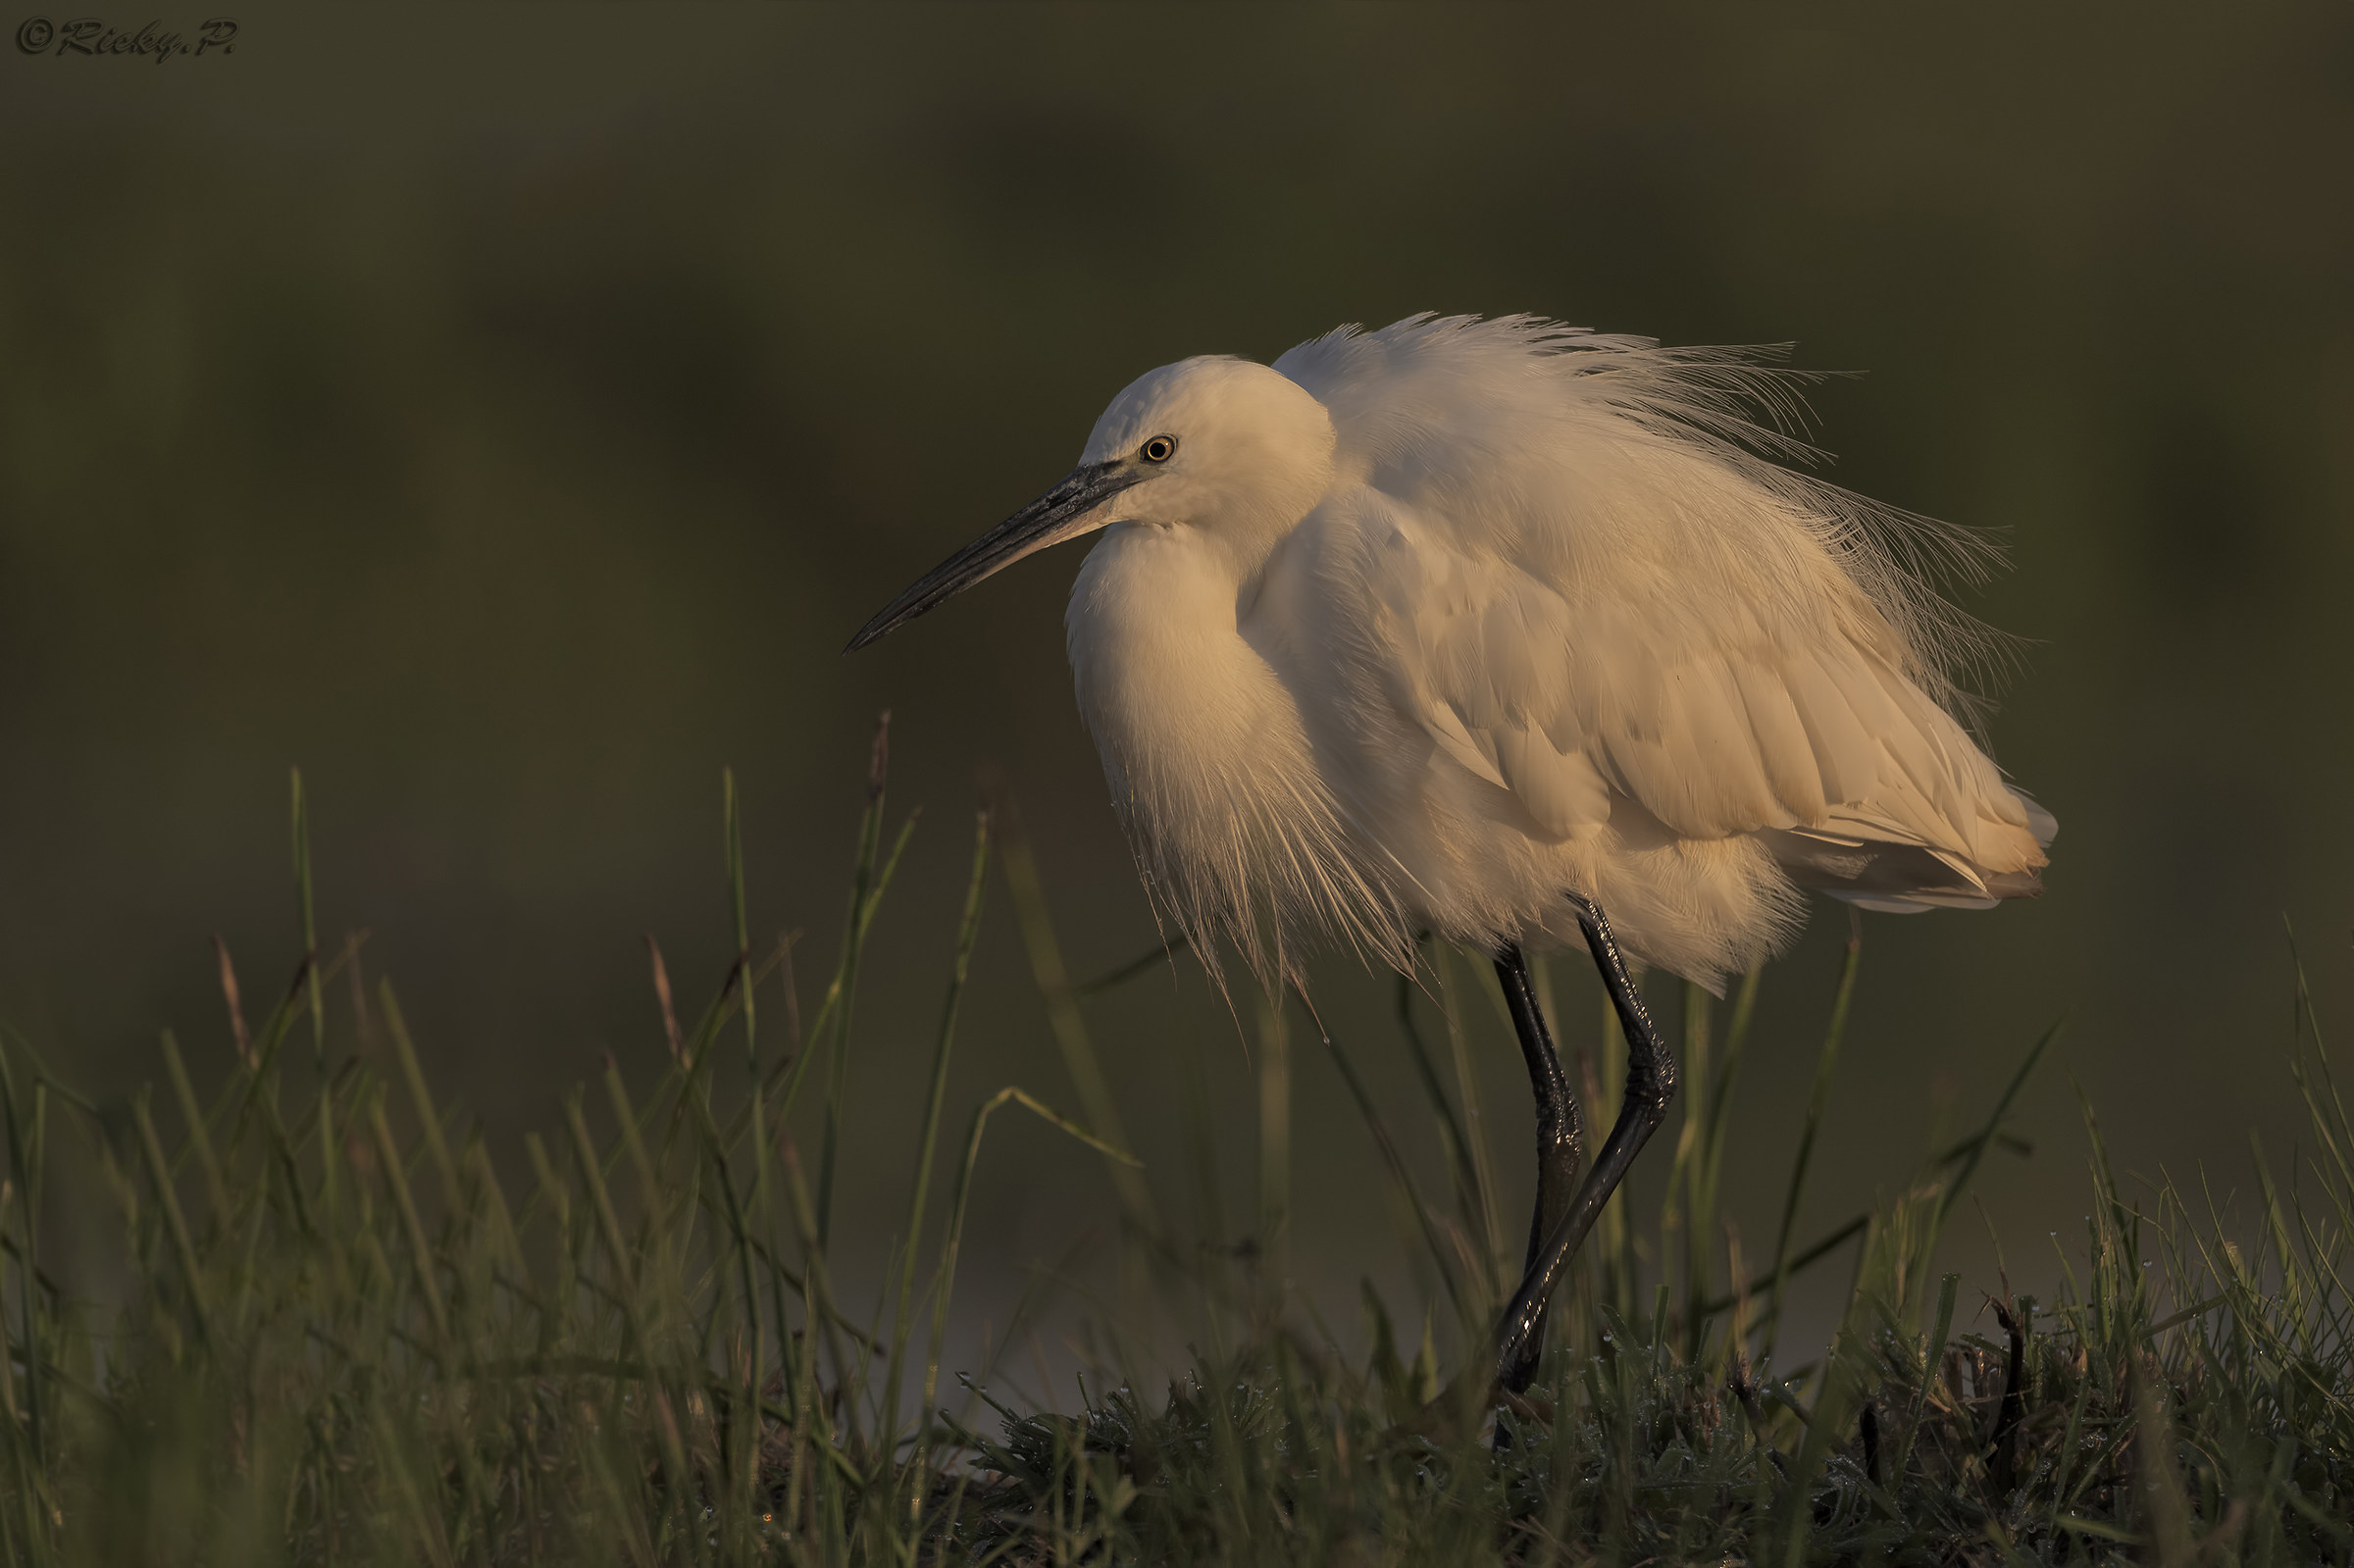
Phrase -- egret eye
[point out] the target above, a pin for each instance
(1159, 449)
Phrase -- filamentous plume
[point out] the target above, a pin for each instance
(1487, 627)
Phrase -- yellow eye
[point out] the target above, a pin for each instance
(1159, 449)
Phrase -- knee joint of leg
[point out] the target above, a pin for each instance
(1653, 1086)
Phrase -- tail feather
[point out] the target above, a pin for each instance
(1892, 871)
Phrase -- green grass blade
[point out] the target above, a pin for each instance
(421, 1250)
(300, 829)
(200, 1141)
(1121, 974)
(1480, 1219)
(1401, 1176)
(968, 932)
(845, 993)
(184, 1246)
(1274, 1143)
(1454, 1144)
(734, 830)
(1695, 1217)
(944, 1284)
(1824, 1065)
(1063, 1007)
(429, 1119)
(1978, 1145)
(26, 1172)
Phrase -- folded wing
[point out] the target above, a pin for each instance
(1647, 617)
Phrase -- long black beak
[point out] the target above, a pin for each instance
(1060, 514)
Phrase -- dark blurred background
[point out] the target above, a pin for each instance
(505, 414)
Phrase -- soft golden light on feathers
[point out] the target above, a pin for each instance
(1419, 627)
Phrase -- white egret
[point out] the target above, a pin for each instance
(1484, 628)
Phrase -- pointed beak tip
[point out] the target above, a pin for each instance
(1057, 515)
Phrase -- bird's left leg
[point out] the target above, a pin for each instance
(1561, 1140)
(1650, 1085)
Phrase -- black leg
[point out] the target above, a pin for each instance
(1650, 1085)
(1559, 1136)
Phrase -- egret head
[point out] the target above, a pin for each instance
(1232, 448)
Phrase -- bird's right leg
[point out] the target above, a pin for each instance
(1561, 1139)
(1650, 1085)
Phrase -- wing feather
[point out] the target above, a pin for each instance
(1781, 736)
(1561, 793)
(1590, 594)
(1845, 757)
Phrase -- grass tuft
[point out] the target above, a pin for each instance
(332, 1335)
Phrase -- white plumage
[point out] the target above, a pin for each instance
(1419, 629)
(1489, 628)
